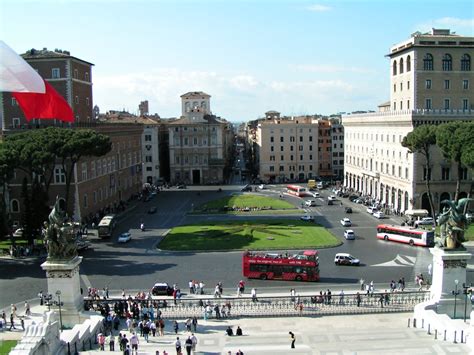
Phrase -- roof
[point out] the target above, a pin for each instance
(187, 120)
(196, 93)
(47, 54)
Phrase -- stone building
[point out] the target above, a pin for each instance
(430, 78)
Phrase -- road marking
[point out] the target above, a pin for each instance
(400, 260)
(86, 281)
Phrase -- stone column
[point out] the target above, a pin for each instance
(449, 266)
(63, 276)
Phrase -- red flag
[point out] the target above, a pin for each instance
(49, 105)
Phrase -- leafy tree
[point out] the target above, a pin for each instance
(7, 164)
(455, 139)
(420, 141)
(26, 220)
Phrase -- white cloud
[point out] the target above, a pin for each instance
(318, 8)
(329, 68)
(243, 82)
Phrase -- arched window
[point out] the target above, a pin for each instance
(394, 67)
(408, 63)
(15, 206)
(428, 62)
(466, 62)
(447, 62)
(401, 65)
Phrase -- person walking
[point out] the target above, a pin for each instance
(176, 327)
(189, 345)
(358, 299)
(134, 342)
(292, 339)
(177, 345)
(254, 294)
(27, 309)
(195, 341)
(112, 342)
(12, 321)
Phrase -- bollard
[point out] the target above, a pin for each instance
(414, 322)
(68, 348)
(423, 323)
(436, 334)
(429, 333)
(444, 335)
(455, 342)
(408, 322)
(462, 336)
(75, 349)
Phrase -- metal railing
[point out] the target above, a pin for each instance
(274, 306)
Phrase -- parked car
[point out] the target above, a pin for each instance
(345, 259)
(332, 198)
(425, 221)
(379, 215)
(372, 210)
(359, 201)
(181, 186)
(124, 237)
(152, 210)
(353, 198)
(348, 210)
(161, 289)
(307, 218)
(310, 203)
(346, 222)
(315, 194)
(246, 188)
(262, 186)
(349, 234)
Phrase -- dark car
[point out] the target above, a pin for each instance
(348, 210)
(246, 188)
(162, 289)
(152, 210)
(353, 198)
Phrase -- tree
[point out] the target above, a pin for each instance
(420, 140)
(455, 139)
(7, 163)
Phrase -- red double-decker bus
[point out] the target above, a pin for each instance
(296, 190)
(303, 266)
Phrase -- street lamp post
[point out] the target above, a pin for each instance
(455, 293)
(465, 291)
(58, 293)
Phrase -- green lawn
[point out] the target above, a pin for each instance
(6, 346)
(251, 235)
(225, 204)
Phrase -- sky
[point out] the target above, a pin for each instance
(295, 57)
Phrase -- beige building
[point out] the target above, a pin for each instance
(430, 84)
(200, 143)
(286, 149)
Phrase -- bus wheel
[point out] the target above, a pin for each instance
(263, 276)
(411, 242)
(385, 238)
(298, 278)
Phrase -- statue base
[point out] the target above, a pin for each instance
(64, 286)
(449, 275)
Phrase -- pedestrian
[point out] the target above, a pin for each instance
(153, 328)
(127, 350)
(341, 297)
(195, 341)
(191, 287)
(292, 339)
(358, 298)
(40, 295)
(22, 323)
(176, 327)
(12, 321)
(195, 323)
(112, 342)
(381, 299)
(124, 344)
(177, 345)
(134, 342)
(146, 331)
(254, 294)
(101, 341)
(189, 345)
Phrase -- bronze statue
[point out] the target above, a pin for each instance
(452, 222)
(59, 235)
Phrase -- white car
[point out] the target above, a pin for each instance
(124, 237)
(379, 214)
(307, 218)
(332, 198)
(372, 210)
(349, 234)
(261, 187)
(315, 194)
(310, 203)
(346, 259)
(425, 221)
(346, 222)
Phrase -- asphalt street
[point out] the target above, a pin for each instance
(137, 265)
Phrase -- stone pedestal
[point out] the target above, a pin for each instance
(449, 266)
(63, 276)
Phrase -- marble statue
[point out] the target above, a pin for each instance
(452, 222)
(59, 235)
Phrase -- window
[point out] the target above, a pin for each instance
(401, 105)
(394, 67)
(428, 104)
(282, 168)
(428, 62)
(408, 85)
(401, 86)
(15, 206)
(465, 104)
(446, 104)
(401, 66)
(406, 173)
(300, 148)
(148, 159)
(86, 76)
(281, 148)
(87, 101)
(428, 84)
(272, 168)
(76, 100)
(408, 104)
(282, 157)
(147, 137)
(463, 174)
(59, 176)
(55, 73)
(447, 62)
(465, 84)
(84, 171)
(272, 148)
(444, 173)
(85, 201)
(446, 84)
(281, 139)
(394, 87)
(301, 157)
(272, 158)
(466, 62)
(394, 106)
(272, 139)
(291, 157)
(310, 138)
(292, 138)
(408, 65)
(291, 148)
(14, 102)
(76, 74)
(301, 138)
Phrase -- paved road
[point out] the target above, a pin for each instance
(138, 265)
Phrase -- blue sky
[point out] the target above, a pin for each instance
(296, 57)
